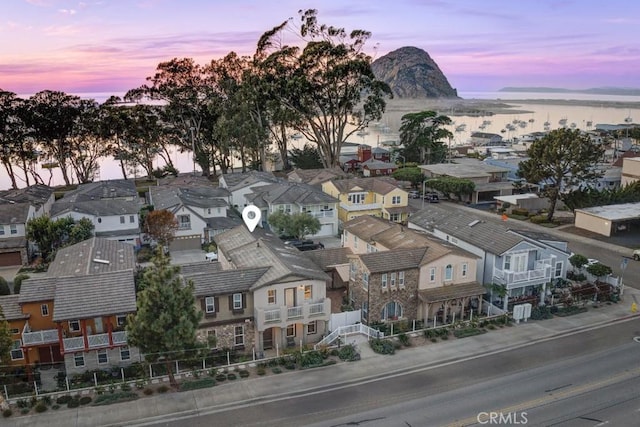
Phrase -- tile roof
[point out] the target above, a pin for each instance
(203, 197)
(186, 180)
(327, 258)
(375, 184)
(389, 234)
(315, 176)
(225, 281)
(223, 222)
(290, 193)
(94, 295)
(235, 181)
(444, 293)
(488, 235)
(14, 213)
(395, 260)
(41, 288)
(261, 249)
(11, 309)
(200, 267)
(375, 164)
(80, 259)
(98, 207)
(37, 195)
(108, 189)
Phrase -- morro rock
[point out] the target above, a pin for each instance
(411, 73)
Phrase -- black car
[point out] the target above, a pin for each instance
(432, 198)
(304, 245)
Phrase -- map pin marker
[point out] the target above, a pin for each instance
(251, 216)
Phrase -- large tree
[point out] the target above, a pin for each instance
(298, 225)
(50, 235)
(306, 157)
(423, 136)
(6, 342)
(161, 226)
(164, 326)
(328, 84)
(560, 163)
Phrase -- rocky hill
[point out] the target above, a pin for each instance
(411, 73)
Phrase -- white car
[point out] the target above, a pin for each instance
(591, 261)
(211, 256)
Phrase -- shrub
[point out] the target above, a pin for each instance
(7, 413)
(434, 339)
(22, 403)
(221, 377)
(404, 339)
(212, 372)
(85, 400)
(467, 332)
(125, 387)
(541, 313)
(261, 370)
(382, 346)
(40, 407)
(73, 403)
(46, 400)
(538, 219)
(348, 353)
(25, 411)
(144, 254)
(99, 390)
(276, 370)
(290, 366)
(63, 399)
(197, 384)
(163, 388)
(55, 407)
(243, 373)
(148, 391)
(231, 376)
(17, 282)
(121, 396)
(140, 384)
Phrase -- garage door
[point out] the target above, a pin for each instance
(10, 258)
(184, 243)
(326, 230)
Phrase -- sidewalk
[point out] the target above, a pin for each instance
(254, 390)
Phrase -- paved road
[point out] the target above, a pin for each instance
(527, 379)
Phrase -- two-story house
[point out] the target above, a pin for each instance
(290, 306)
(399, 273)
(16, 319)
(77, 311)
(201, 213)
(240, 184)
(112, 206)
(316, 176)
(292, 198)
(17, 207)
(520, 262)
(375, 196)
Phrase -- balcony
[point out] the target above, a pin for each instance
(47, 336)
(321, 214)
(360, 207)
(283, 316)
(518, 279)
(95, 341)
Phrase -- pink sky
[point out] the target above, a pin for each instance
(112, 46)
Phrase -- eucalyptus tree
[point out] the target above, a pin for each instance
(53, 115)
(561, 162)
(328, 83)
(422, 136)
(12, 133)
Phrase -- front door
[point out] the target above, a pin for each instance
(45, 354)
(290, 297)
(267, 339)
(98, 323)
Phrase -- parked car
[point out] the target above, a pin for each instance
(636, 254)
(413, 194)
(304, 245)
(211, 256)
(432, 198)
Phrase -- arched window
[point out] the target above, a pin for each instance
(392, 311)
(448, 272)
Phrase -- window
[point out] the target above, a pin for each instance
(132, 219)
(393, 279)
(99, 220)
(13, 229)
(465, 269)
(16, 350)
(394, 217)
(210, 305)
(74, 325)
(392, 311)
(432, 274)
(44, 309)
(308, 292)
(271, 296)
(125, 354)
(507, 262)
(448, 272)
(357, 198)
(14, 331)
(209, 211)
(102, 357)
(237, 301)
(121, 320)
(1, 230)
(184, 222)
(238, 335)
(291, 331)
(395, 200)
(401, 279)
(365, 309)
(384, 281)
(558, 269)
(365, 280)
(122, 219)
(355, 242)
(312, 328)
(78, 360)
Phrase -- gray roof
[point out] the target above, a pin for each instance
(315, 176)
(98, 207)
(290, 193)
(378, 164)
(490, 236)
(11, 309)
(379, 185)
(41, 288)
(394, 260)
(109, 189)
(326, 258)
(464, 168)
(235, 181)
(261, 249)
(36, 195)
(14, 213)
(207, 267)
(80, 259)
(94, 295)
(538, 235)
(223, 222)
(225, 281)
(203, 197)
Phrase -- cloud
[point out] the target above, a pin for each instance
(67, 11)
(61, 30)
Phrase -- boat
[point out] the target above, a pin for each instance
(486, 122)
(482, 126)
(562, 121)
(531, 120)
(573, 125)
(511, 127)
(461, 127)
(547, 127)
(503, 131)
(522, 124)
(296, 136)
(589, 123)
(362, 133)
(628, 119)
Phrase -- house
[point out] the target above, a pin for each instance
(608, 220)
(482, 139)
(630, 170)
(373, 167)
(369, 196)
(315, 176)
(530, 202)
(295, 198)
(17, 207)
(77, 311)
(201, 213)
(289, 300)
(16, 320)
(489, 180)
(112, 206)
(367, 152)
(240, 184)
(398, 273)
(518, 262)
(334, 262)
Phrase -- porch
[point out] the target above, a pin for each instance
(447, 304)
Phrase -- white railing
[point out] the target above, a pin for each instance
(119, 337)
(272, 315)
(293, 312)
(344, 331)
(317, 308)
(360, 207)
(322, 214)
(76, 343)
(40, 337)
(303, 313)
(99, 340)
(518, 278)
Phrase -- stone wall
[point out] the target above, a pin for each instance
(225, 335)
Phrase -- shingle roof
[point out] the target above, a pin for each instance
(395, 260)
(95, 295)
(375, 164)
(444, 293)
(290, 193)
(478, 231)
(223, 222)
(235, 181)
(326, 258)
(10, 307)
(225, 281)
(14, 213)
(36, 195)
(204, 197)
(200, 267)
(315, 176)
(375, 184)
(80, 259)
(108, 189)
(41, 288)
(389, 234)
(98, 207)
(261, 249)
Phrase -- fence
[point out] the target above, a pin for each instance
(343, 319)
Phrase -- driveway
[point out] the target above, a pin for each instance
(187, 257)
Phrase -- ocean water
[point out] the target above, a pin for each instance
(534, 113)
